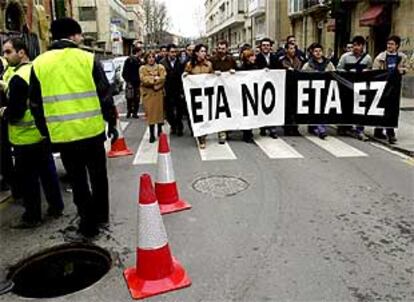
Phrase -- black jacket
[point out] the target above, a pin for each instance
(130, 72)
(262, 63)
(17, 98)
(102, 88)
(173, 82)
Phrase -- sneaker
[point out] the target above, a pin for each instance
(152, 139)
(322, 135)
(392, 139)
(362, 137)
(135, 116)
(128, 115)
(25, 224)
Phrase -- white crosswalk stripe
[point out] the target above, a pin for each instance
(147, 153)
(216, 151)
(336, 147)
(276, 148)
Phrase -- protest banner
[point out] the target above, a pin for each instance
(259, 98)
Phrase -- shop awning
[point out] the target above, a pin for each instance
(373, 16)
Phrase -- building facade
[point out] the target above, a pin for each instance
(225, 19)
(333, 23)
(246, 21)
(30, 19)
(112, 25)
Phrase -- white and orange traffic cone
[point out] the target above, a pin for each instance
(165, 185)
(119, 147)
(156, 270)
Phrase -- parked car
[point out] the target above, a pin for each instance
(113, 75)
(119, 63)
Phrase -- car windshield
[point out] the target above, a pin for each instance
(108, 66)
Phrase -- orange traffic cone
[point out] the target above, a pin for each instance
(156, 270)
(165, 185)
(119, 147)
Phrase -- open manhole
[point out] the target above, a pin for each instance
(220, 185)
(60, 271)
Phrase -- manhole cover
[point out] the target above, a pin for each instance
(220, 185)
(59, 271)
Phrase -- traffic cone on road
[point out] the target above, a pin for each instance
(156, 270)
(165, 185)
(119, 146)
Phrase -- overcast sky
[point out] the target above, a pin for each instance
(186, 17)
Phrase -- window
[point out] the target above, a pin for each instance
(295, 6)
(131, 25)
(87, 13)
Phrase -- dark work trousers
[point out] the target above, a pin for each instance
(85, 162)
(133, 103)
(174, 109)
(6, 165)
(34, 163)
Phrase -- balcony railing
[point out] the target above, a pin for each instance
(257, 7)
(311, 3)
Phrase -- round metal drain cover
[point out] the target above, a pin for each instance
(220, 185)
(60, 271)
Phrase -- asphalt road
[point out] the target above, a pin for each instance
(316, 225)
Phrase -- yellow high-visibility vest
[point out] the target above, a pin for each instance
(70, 101)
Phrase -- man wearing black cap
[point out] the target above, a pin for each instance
(70, 99)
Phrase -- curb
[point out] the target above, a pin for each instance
(391, 146)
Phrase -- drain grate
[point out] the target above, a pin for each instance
(60, 271)
(220, 185)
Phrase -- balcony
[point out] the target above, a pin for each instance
(225, 23)
(257, 8)
(316, 3)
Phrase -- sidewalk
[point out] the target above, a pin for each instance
(405, 131)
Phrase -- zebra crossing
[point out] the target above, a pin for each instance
(277, 149)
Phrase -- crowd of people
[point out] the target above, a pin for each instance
(161, 73)
(61, 101)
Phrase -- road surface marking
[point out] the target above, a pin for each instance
(276, 148)
(216, 151)
(336, 147)
(147, 153)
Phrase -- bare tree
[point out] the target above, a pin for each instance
(156, 21)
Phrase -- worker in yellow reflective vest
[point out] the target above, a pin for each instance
(7, 177)
(70, 98)
(33, 160)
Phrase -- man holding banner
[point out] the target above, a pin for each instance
(266, 59)
(355, 61)
(395, 63)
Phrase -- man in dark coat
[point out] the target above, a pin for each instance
(174, 99)
(130, 73)
(267, 59)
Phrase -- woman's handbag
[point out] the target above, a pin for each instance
(129, 91)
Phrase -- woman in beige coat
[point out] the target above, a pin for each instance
(152, 78)
(198, 65)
